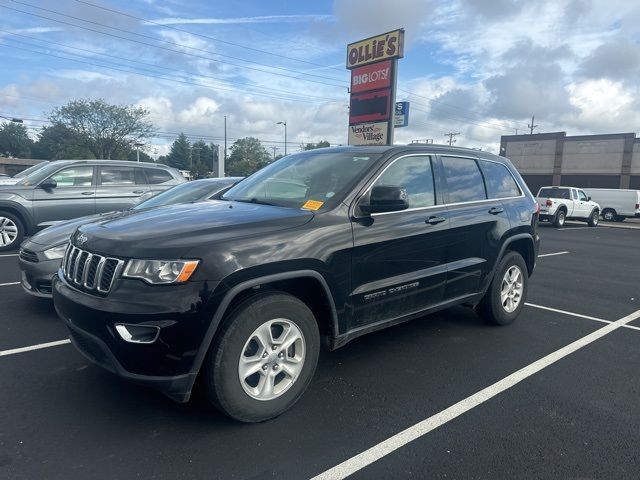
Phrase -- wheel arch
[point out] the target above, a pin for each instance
(19, 212)
(290, 282)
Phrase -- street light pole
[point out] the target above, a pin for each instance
(285, 135)
(138, 145)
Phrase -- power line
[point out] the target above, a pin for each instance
(207, 36)
(127, 69)
(170, 43)
(137, 62)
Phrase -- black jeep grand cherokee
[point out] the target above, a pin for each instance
(333, 242)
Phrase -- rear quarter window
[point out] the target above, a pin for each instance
(156, 176)
(500, 182)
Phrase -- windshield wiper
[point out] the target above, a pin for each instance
(254, 200)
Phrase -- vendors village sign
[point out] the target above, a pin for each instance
(373, 63)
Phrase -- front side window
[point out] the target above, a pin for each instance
(74, 177)
(500, 182)
(415, 175)
(464, 180)
(309, 180)
(582, 196)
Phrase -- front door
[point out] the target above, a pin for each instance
(399, 258)
(73, 196)
(583, 205)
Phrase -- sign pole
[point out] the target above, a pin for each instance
(394, 79)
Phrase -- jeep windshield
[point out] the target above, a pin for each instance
(310, 180)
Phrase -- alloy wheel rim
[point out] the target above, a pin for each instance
(511, 289)
(561, 218)
(595, 218)
(272, 359)
(8, 231)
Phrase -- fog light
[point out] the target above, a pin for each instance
(138, 333)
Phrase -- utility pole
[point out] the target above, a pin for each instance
(451, 135)
(274, 152)
(532, 125)
(285, 135)
(224, 159)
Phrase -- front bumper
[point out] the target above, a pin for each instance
(36, 276)
(182, 312)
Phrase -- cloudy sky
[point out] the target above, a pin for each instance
(478, 67)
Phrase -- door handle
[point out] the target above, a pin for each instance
(138, 192)
(87, 193)
(496, 210)
(434, 220)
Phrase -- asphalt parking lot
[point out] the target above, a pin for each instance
(555, 395)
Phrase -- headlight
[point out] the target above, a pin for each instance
(55, 253)
(158, 272)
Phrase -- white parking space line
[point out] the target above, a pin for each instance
(34, 347)
(574, 228)
(9, 284)
(579, 315)
(9, 255)
(552, 254)
(416, 431)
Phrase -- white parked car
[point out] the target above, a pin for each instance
(558, 204)
(616, 204)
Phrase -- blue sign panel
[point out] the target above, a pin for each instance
(401, 115)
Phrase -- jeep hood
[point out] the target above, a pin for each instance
(172, 231)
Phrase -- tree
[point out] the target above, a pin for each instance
(57, 142)
(179, 154)
(14, 140)
(107, 131)
(247, 156)
(132, 156)
(313, 146)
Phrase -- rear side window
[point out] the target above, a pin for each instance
(500, 182)
(117, 176)
(464, 180)
(155, 176)
(416, 176)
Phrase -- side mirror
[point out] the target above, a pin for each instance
(386, 198)
(48, 184)
(588, 199)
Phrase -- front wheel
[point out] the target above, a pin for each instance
(593, 219)
(264, 357)
(504, 300)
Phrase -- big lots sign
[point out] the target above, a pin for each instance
(371, 77)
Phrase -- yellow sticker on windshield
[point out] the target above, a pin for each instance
(312, 205)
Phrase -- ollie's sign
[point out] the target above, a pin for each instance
(374, 49)
(371, 77)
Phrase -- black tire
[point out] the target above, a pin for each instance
(221, 370)
(609, 214)
(17, 229)
(593, 218)
(620, 218)
(559, 219)
(490, 307)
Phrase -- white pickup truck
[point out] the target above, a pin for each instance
(558, 204)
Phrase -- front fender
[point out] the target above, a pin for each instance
(15, 203)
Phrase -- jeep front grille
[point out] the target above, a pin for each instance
(90, 272)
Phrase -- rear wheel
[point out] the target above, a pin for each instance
(561, 216)
(593, 219)
(11, 231)
(504, 300)
(609, 214)
(263, 358)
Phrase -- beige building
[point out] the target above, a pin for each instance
(597, 161)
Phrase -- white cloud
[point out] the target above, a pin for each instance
(242, 20)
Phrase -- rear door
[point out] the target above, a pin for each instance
(119, 187)
(477, 224)
(74, 196)
(399, 258)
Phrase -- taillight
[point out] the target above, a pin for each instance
(637, 206)
(537, 210)
(549, 203)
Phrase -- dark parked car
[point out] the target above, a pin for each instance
(41, 254)
(241, 290)
(68, 189)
